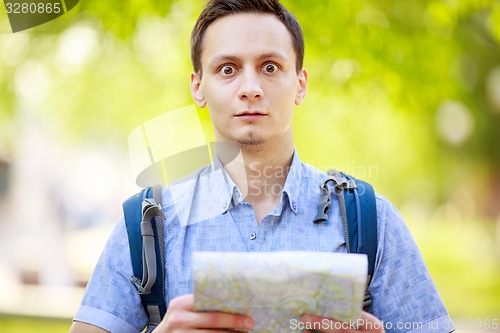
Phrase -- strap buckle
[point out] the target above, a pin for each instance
(138, 284)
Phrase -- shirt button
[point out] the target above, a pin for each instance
(253, 235)
(294, 205)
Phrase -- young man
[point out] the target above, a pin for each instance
(247, 57)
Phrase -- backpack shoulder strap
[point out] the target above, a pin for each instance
(359, 214)
(144, 222)
(361, 211)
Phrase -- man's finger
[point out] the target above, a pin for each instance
(181, 314)
(210, 320)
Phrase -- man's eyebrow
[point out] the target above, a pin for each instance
(223, 57)
(272, 55)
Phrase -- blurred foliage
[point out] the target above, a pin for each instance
(402, 85)
(122, 17)
(405, 94)
(380, 70)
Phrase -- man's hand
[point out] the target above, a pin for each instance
(181, 317)
(366, 323)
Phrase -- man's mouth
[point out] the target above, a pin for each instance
(250, 115)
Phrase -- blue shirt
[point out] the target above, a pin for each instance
(207, 212)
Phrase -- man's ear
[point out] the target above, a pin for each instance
(302, 88)
(196, 90)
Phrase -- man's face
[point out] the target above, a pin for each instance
(249, 80)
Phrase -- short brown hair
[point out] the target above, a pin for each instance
(216, 9)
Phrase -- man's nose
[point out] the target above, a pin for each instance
(250, 87)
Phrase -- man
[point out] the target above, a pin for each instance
(247, 57)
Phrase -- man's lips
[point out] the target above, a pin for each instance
(250, 115)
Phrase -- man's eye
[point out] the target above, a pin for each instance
(227, 70)
(270, 68)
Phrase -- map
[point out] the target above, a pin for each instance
(276, 288)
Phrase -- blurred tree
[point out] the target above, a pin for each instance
(407, 87)
(122, 17)
(412, 72)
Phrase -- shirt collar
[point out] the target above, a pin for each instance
(223, 185)
(200, 196)
(291, 189)
(231, 195)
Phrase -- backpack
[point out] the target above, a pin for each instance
(357, 208)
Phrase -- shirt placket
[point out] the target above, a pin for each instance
(244, 218)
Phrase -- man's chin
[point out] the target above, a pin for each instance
(250, 141)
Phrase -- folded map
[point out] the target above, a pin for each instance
(276, 288)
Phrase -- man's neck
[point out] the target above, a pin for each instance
(260, 175)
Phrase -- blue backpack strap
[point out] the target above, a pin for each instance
(361, 211)
(144, 222)
(359, 214)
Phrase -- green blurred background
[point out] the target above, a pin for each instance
(403, 94)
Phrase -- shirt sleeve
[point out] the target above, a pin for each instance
(111, 301)
(403, 294)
